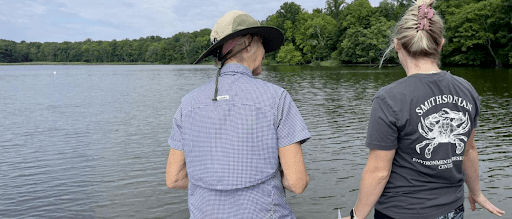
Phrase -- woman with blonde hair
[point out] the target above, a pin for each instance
(421, 132)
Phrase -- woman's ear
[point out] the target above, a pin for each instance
(441, 46)
(398, 47)
(247, 41)
(250, 45)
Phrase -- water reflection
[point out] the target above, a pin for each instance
(91, 141)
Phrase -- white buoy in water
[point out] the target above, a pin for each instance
(54, 72)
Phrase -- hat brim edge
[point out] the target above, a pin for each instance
(273, 39)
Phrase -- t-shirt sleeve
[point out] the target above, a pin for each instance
(382, 129)
(477, 112)
(290, 125)
(175, 140)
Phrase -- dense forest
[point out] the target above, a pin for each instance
(477, 32)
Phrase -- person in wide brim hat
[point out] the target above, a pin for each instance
(238, 152)
(238, 23)
(230, 33)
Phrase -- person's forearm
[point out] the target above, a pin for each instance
(298, 188)
(294, 175)
(182, 184)
(180, 181)
(471, 169)
(176, 176)
(371, 187)
(285, 182)
(375, 176)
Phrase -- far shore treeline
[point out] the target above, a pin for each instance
(477, 32)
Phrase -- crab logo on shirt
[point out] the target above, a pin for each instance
(443, 127)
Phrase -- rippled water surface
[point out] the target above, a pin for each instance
(91, 141)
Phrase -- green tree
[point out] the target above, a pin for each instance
(289, 55)
(287, 19)
(33, 52)
(49, 52)
(316, 36)
(114, 51)
(7, 51)
(401, 7)
(289, 11)
(128, 50)
(22, 51)
(334, 8)
(388, 10)
(357, 13)
(362, 45)
(165, 51)
(365, 34)
(152, 53)
(479, 33)
(198, 42)
(63, 51)
(75, 52)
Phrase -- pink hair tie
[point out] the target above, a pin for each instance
(424, 16)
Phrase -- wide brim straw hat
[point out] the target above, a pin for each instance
(239, 23)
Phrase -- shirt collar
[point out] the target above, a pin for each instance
(235, 68)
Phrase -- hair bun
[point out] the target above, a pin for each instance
(420, 31)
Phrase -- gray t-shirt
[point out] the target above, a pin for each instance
(427, 118)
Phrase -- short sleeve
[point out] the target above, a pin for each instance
(290, 125)
(175, 140)
(477, 112)
(382, 130)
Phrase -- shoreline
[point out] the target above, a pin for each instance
(149, 63)
(80, 63)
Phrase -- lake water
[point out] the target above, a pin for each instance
(91, 141)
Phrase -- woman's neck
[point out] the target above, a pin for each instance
(420, 66)
(244, 62)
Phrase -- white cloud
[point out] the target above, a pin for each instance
(120, 11)
(141, 18)
(76, 20)
(20, 11)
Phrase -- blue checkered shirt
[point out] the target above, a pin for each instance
(231, 145)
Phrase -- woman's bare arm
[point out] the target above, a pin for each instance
(176, 171)
(295, 177)
(373, 180)
(471, 169)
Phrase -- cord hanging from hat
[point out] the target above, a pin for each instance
(222, 60)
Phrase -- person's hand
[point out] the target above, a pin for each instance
(482, 201)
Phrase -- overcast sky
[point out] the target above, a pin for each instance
(77, 20)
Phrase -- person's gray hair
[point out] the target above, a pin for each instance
(239, 45)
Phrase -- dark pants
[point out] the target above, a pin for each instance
(457, 213)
